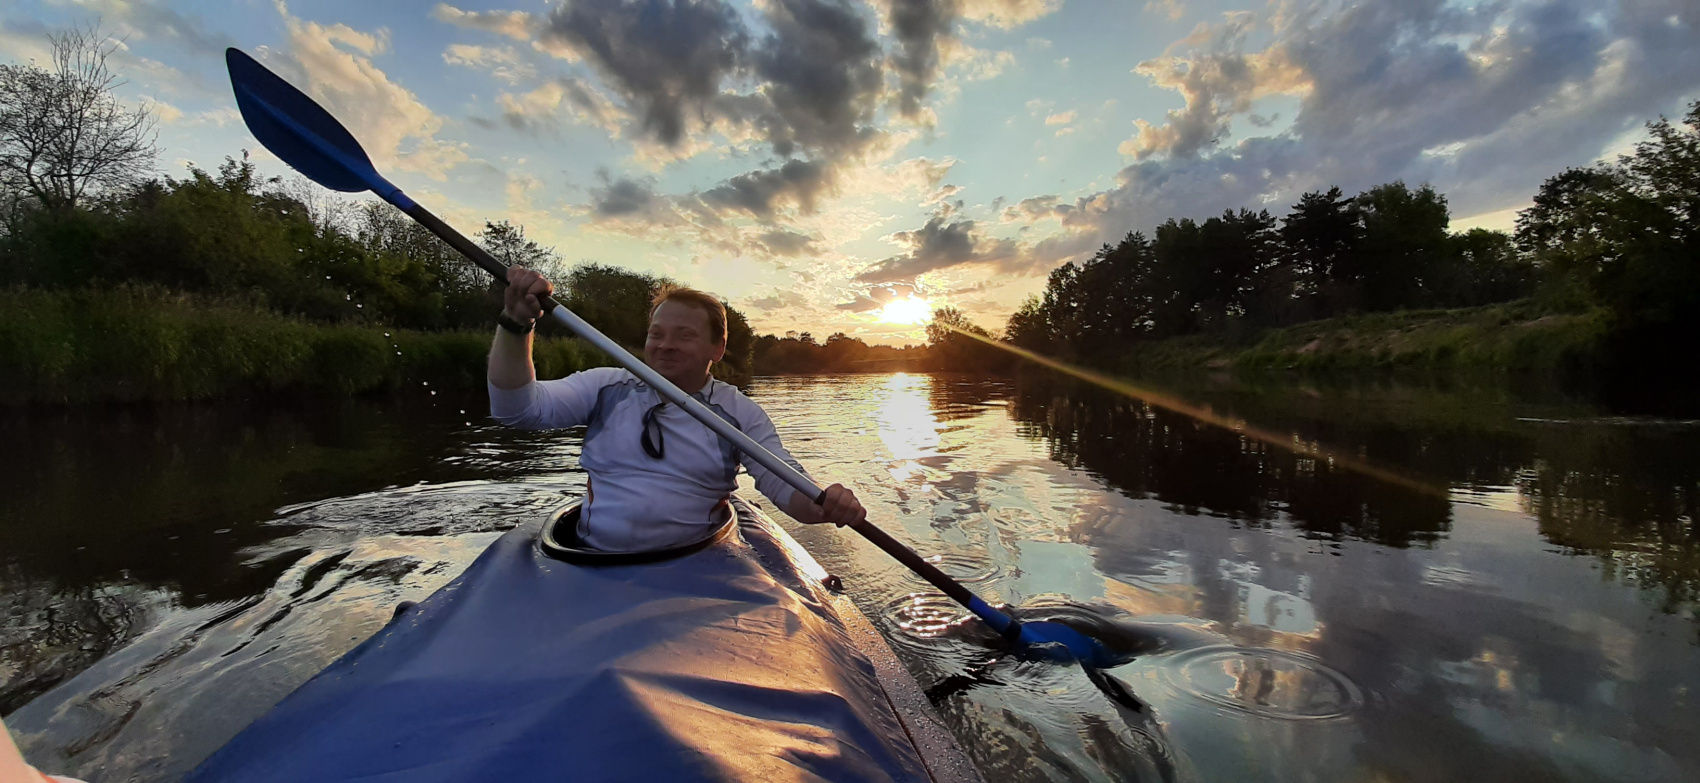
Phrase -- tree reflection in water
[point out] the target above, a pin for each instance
(1621, 490)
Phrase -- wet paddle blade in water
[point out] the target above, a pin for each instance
(1053, 641)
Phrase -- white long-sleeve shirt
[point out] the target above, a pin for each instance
(635, 502)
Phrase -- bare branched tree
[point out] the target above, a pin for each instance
(63, 133)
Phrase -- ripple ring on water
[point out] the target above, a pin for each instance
(924, 616)
(962, 568)
(1268, 683)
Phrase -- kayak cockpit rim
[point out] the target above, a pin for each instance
(560, 540)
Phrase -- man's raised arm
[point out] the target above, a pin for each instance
(510, 353)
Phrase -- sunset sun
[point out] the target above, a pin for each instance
(909, 310)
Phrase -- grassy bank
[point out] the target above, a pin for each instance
(143, 343)
(1517, 338)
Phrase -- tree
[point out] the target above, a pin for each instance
(63, 133)
(740, 342)
(507, 242)
(1404, 237)
(1665, 169)
(1318, 236)
(1028, 328)
(1482, 267)
(1179, 280)
(1570, 208)
(956, 343)
(1240, 249)
(1626, 237)
(614, 300)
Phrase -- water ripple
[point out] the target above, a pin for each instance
(1267, 683)
(925, 616)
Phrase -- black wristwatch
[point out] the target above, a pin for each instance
(513, 326)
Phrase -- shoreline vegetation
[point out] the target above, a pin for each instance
(141, 344)
(120, 285)
(1512, 338)
(137, 343)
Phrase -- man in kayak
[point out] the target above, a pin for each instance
(658, 477)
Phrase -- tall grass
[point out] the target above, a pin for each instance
(148, 343)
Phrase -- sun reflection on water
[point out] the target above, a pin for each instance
(907, 425)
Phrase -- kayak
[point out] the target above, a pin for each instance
(726, 660)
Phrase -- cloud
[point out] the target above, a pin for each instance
(502, 62)
(1007, 14)
(785, 298)
(821, 70)
(518, 25)
(877, 297)
(622, 197)
(1172, 10)
(1033, 209)
(545, 108)
(918, 26)
(335, 67)
(166, 112)
(1217, 84)
(667, 59)
(940, 244)
(784, 242)
(926, 37)
(1060, 118)
(808, 83)
(899, 180)
(759, 193)
(158, 23)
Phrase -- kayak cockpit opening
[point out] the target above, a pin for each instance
(560, 540)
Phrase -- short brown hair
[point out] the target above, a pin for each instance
(701, 300)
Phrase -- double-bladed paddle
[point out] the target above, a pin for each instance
(308, 138)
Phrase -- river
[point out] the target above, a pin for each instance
(1389, 583)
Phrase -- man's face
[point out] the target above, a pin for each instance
(680, 345)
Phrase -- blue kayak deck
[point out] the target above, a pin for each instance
(731, 664)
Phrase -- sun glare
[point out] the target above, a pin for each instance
(908, 310)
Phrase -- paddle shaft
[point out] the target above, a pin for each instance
(1000, 622)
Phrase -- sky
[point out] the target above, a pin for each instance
(829, 166)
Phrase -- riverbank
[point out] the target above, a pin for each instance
(149, 344)
(1513, 339)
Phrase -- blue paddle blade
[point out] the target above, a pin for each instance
(298, 130)
(1056, 642)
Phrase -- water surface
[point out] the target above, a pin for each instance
(1521, 605)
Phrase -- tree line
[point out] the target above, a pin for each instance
(1620, 237)
(838, 353)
